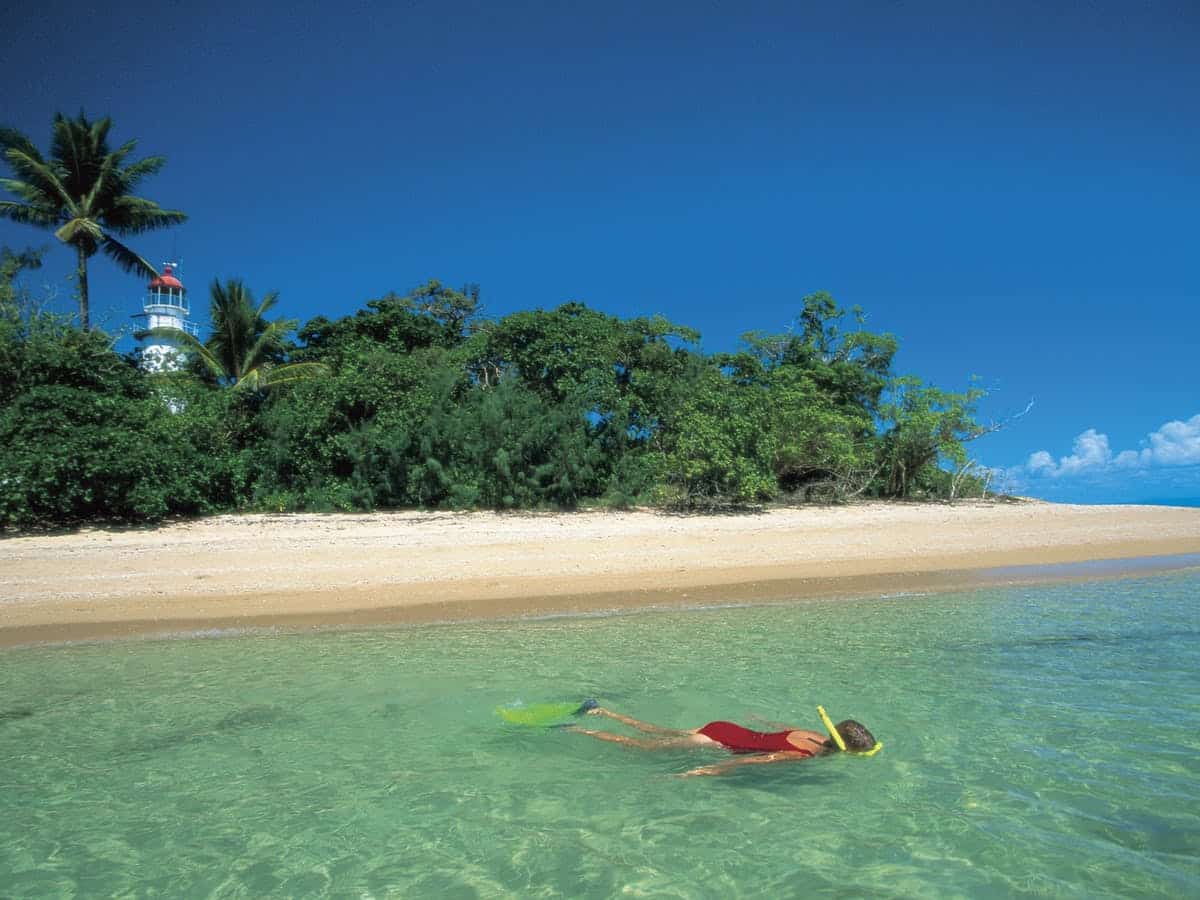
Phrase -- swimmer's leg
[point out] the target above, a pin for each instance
(667, 742)
(639, 725)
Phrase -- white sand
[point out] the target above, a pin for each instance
(325, 569)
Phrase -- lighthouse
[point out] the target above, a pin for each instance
(164, 306)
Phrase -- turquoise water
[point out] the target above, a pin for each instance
(1039, 741)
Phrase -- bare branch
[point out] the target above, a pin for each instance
(998, 425)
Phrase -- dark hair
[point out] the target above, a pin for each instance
(855, 735)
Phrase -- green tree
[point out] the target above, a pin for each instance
(823, 450)
(43, 351)
(245, 350)
(849, 366)
(624, 370)
(826, 381)
(431, 315)
(522, 452)
(924, 425)
(722, 449)
(83, 191)
(83, 437)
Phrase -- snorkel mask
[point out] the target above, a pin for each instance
(837, 738)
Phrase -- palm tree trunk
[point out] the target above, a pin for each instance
(81, 273)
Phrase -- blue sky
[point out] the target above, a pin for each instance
(1010, 188)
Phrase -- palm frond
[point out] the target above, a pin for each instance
(126, 258)
(103, 183)
(272, 338)
(31, 194)
(189, 341)
(121, 152)
(135, 215)
(99, 130)
(11, 138)
(67, 144)
(268, 302)
(292, 372)
(80, 145)
(133, 174)
(27, 214)
(43, 175)
(190, 344)
(266, 377)
(249, 381)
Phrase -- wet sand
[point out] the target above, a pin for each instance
(303, 571)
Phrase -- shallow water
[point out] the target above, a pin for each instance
(1039, 741)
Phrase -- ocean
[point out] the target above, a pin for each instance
(1039, 740)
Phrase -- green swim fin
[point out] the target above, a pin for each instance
(544, 715)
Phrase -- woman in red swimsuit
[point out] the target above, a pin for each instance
(765, 747)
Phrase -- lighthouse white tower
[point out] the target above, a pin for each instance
(165, 306)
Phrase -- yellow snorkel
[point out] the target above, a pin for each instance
(837, 738)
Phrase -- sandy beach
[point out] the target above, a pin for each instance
(297, 571)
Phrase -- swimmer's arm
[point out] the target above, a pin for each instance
(757, 760)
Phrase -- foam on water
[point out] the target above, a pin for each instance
(1039, 740)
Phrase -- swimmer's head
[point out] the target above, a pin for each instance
(855, 735)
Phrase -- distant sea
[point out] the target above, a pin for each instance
(1099, 498)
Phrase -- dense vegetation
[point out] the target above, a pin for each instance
(418, 400)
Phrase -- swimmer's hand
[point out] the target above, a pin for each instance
(702, 770)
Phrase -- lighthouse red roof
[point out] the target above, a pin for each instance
(167, 279)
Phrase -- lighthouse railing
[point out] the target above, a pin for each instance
(167, 301)
(166, 317)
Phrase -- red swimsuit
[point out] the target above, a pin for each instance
(743, 740)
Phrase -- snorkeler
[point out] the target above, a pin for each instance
(760, 747)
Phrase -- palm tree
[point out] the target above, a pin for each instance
(244, 349)
(84, 192)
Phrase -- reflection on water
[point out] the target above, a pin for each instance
(1095, 567)
(1038, 740)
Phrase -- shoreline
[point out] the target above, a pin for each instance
(308, 571)
(535, 608)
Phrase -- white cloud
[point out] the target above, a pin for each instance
(1128, 459)
(1040, 462)
(1091, 452)
(1176, 443)
(1173, 444)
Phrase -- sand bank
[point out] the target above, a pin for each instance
(316, 570)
